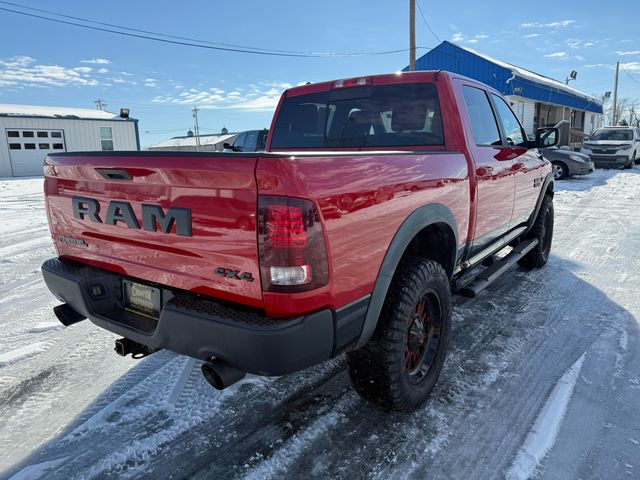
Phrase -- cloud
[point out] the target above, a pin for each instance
(576, 43)
(461, 38)
(121, 80)
(254, 98)
(103, 70)
(624, 54)
(532, 35)
(562, 23)
(557, 55)
(23, 71)
(150, 82)
(631, 66)
(97, 61)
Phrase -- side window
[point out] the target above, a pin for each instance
(483, 122)
(239, 142)
(106, 138)
(514, 134)
(250, 141)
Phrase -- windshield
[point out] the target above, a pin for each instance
(612, 134)
(380, 116)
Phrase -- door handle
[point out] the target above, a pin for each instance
(114, 174)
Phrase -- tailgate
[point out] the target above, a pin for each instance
(184, 220)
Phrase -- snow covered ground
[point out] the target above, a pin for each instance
(542, 378)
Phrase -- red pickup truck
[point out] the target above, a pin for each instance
(376, 198)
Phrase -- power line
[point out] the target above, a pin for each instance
(424, 19)
(159, 34)
(209, 46)
(629, 75)
(166, 130)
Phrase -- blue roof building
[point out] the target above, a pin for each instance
(539, 101)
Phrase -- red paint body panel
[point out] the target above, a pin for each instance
(364, 196)
(220, 192)
(363, 200)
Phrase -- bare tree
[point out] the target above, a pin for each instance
(627, 109)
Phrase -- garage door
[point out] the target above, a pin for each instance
(27, 149)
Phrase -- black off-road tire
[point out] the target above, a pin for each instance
(543, 231)
(389, 370)
(630, 164)
(636, 160)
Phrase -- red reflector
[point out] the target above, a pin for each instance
(353, 82)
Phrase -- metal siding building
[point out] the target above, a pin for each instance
(538, 101)
(29, 133)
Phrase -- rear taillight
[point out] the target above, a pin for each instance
(293, 255)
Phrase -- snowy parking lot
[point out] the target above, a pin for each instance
(542, 377)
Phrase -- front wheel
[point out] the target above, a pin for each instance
(400, 365)
(560, 171)
(630, 164)
(542, 230)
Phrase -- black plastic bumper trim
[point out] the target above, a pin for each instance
(204, 328)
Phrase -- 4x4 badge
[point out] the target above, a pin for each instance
(234, 274)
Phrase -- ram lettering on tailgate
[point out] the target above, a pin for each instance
(118, 211)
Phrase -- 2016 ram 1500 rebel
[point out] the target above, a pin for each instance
(374, 198)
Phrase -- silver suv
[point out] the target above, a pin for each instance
(614, 147)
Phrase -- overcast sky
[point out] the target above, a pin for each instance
(46, 63)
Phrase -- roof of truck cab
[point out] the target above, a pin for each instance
(377, 79)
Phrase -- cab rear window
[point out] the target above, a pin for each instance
(378, 116)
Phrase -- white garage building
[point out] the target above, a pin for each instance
(29, 133)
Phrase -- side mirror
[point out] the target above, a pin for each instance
(226, 145)
(547, 137)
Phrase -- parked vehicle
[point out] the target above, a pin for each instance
(614, 147)
(567, 163)
(249, 141)
(361, 222)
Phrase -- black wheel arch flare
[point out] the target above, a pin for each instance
(421, 218)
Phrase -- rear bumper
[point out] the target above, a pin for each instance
(204, 328)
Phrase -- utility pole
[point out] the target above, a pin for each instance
(100, 105)
(615, 97)
(412, 35)
(197, 127)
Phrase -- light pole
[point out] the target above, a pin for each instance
(615, 97)
(572, 76)
(412, 35)
(197, 127)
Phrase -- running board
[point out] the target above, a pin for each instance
(490, 274)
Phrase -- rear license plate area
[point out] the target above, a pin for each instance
(142, 299)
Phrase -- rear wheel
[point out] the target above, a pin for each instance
(560, 170)
(542, 230)
(400, 365)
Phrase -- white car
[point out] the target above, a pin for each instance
(614, 147)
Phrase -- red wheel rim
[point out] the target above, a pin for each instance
(423, 336)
